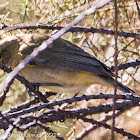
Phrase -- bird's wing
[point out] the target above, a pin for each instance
(66, 56)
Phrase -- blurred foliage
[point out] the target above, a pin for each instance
(61, 12)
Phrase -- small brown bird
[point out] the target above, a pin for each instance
(63, 66)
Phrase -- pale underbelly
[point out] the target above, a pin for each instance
(69, 81)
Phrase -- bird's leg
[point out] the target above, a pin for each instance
(76, 94)
(33, 88)
(49, 93)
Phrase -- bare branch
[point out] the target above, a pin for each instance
(127, 65)
(6, 28)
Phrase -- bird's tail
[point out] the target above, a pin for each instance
(125, 89)
(120, 86)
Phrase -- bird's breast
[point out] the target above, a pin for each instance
(69, 81)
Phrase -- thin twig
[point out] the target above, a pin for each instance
(116, 70)
(136, 1)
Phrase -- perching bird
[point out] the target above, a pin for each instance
(63, 66)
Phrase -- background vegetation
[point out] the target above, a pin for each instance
(60, 13)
